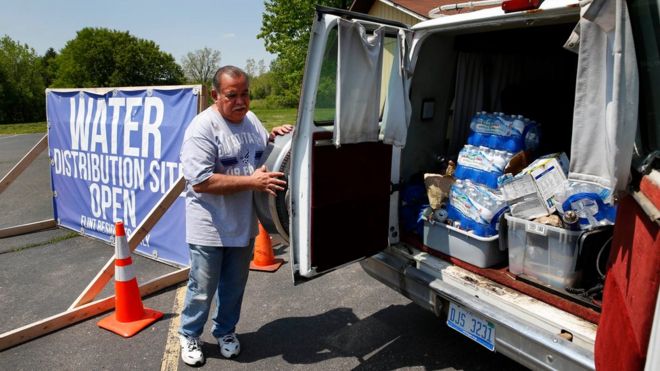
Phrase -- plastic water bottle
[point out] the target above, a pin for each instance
(503, 125)
(487, 211)
(476, 136)
(531, 135)
(459, 198)
(518, 125)
(499, 161)
(477, 121)
(492, 203)
(485, 155)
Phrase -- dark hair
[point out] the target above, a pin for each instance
(232, 71)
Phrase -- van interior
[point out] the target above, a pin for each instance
(523, 71)
(518, 71)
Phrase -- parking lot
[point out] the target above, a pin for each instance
(342, 321)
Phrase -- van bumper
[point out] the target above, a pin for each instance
(519, 340)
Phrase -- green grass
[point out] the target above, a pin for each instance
(324, 114)
(51, 241)
(27, 128)
(268, 116)
(276, 117)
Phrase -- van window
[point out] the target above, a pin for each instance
(644, 15)
(325, 109)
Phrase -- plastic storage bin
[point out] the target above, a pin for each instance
(548, 254)
(482, 252)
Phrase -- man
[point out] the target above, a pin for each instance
(220, 152)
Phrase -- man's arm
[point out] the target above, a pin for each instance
(261, 180)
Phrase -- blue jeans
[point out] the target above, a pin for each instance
(221, 271)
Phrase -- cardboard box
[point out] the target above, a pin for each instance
(531, 194)
(524, 199)
(549, 177)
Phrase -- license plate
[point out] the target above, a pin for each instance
(470, 325)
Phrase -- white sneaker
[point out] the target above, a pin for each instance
(229, 345)
(191, 351)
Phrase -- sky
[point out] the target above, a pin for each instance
(178, 27)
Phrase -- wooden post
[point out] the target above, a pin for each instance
(106, 273)
(27, 228)
(23, 163)
(71, 316)
(202, 103)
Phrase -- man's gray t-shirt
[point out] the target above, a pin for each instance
(213, 145)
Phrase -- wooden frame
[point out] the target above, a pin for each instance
(28, 228)
(9, 178)
(106, 273)
(69, 317)
(83, 307)
(21, 165)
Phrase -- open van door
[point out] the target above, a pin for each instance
(623, 341)
(342, 197)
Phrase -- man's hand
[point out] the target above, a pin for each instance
(280, 130)
(267, 181)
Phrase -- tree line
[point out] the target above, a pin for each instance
(101, 57)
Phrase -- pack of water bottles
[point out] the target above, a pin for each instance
(476, 208)
(475, 203)
(511, 133)
(482, 164)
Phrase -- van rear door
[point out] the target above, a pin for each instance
(623, 340)
(340, 195)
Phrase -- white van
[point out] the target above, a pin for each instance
(371, 121)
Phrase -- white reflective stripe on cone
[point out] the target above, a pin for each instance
(121, 250)
(125, 273)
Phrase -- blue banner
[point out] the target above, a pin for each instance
(114, 155)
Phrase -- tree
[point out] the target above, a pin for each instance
(251, 67)
(261, 67)
(200, 66)
(260, 80)
(22, 96)
(49, 66)
(261, 86)
(285, 29)
(143, 64)
(99, 57)
(254, 68)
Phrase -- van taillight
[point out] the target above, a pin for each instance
(518, 5)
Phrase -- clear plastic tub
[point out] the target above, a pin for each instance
(482, 252)
(548, 254)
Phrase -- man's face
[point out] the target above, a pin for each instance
(233, 100)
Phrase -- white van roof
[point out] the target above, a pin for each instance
(556, 6)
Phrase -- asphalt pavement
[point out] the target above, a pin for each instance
(344, 320)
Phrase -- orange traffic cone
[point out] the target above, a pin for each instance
(264, 259)
(130, 315)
